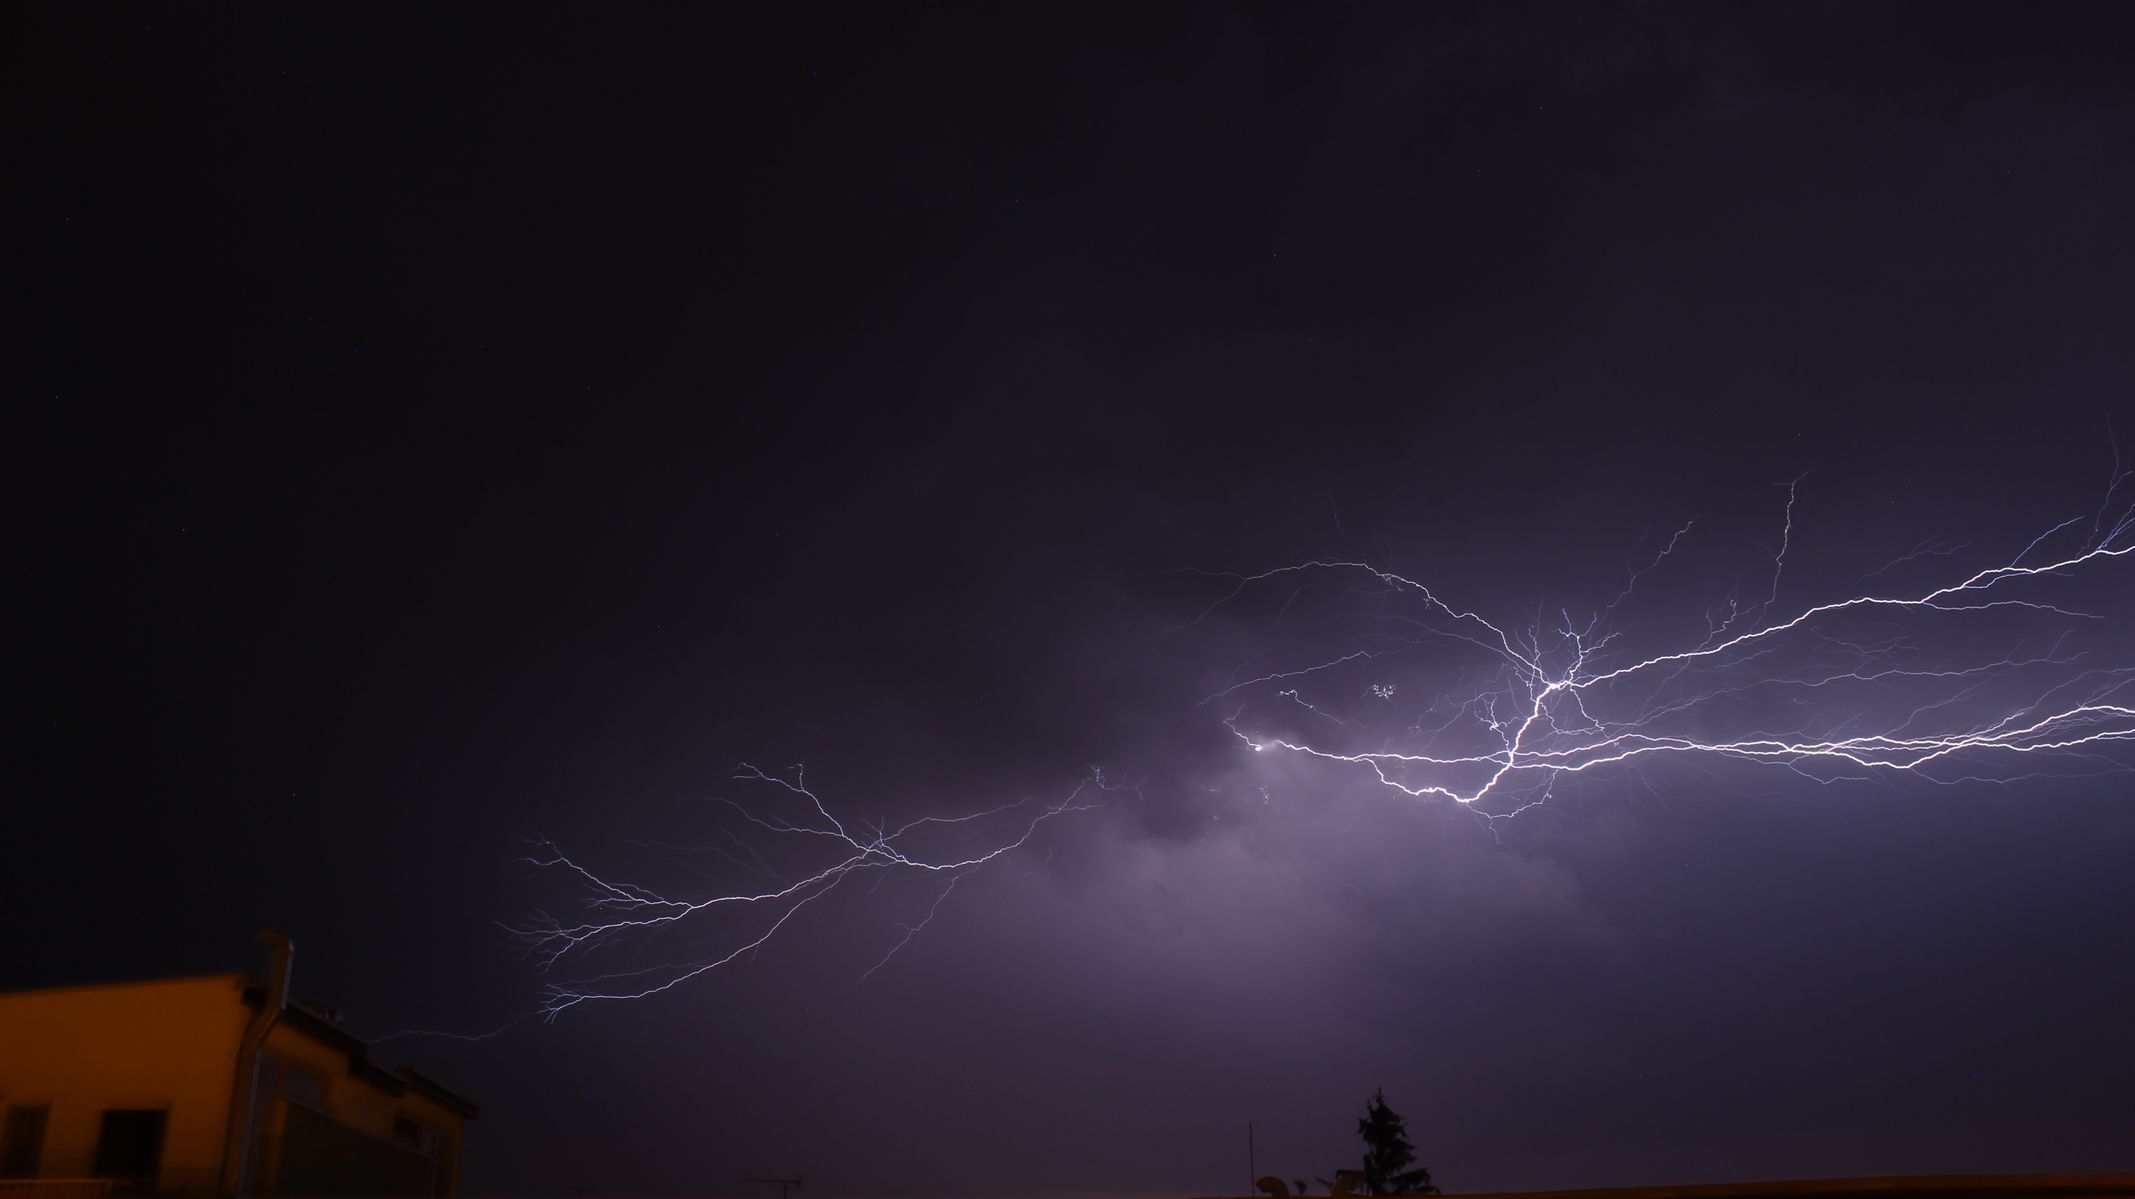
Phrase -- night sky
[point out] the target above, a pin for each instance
(440, 429)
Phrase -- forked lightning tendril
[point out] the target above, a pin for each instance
(627, 916)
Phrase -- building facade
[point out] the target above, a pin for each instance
(213, 1085)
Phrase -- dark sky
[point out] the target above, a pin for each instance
(440, 426)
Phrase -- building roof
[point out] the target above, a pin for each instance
(395, 1081)
(235, 980)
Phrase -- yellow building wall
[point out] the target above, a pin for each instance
(171, 1045)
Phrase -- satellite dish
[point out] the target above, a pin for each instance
(1273, 1186)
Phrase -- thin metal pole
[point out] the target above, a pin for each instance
(1252, 1167)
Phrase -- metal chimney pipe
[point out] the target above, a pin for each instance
(244, 1092)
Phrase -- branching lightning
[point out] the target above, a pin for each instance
(1885, 682)
(627, 917)
(2016, 670)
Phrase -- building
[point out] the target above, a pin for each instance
(214, 1085)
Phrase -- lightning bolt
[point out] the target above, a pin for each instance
(629, 919)
(1488, 714)
(1886, 682)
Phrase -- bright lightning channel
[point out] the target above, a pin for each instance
(1855, 686)
(1885, 682)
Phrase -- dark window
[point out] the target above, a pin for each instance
(414, 1134)
(23, 1143)
(130, 1145)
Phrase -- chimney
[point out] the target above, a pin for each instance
(237, 1145)
(281, 954)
